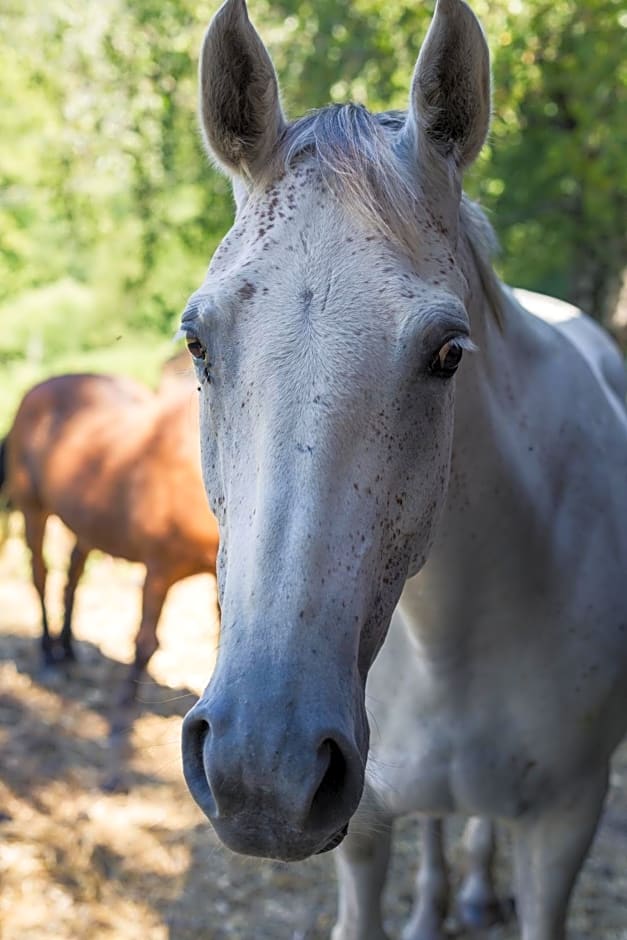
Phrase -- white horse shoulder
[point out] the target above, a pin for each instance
(594, 344)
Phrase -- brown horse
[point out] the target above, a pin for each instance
(176, 370)
(120, 466)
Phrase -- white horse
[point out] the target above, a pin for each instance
(366, 487)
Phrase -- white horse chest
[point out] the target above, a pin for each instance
(440, 747)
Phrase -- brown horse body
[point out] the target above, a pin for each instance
(120, 466)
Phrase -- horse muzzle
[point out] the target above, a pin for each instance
(284, 792)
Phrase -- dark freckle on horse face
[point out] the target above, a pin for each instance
(306, 299)
(247, 291)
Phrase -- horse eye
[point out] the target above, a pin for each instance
(195, 347)
(444, 364)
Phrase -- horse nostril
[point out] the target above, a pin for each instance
(331, 789)
(196, 732)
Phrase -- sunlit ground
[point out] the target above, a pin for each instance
(79, 864)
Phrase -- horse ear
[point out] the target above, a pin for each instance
(239, 94)
(450, 92)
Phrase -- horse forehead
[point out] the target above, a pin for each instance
(294, 216)
(308, 247)
(296, 240)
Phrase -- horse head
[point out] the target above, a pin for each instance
(326, 339)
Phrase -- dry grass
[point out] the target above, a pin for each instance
(76, 864)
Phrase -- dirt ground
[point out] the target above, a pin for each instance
(79, 864)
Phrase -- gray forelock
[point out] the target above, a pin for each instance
(355, 151)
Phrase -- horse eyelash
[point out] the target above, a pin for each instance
(465, 343)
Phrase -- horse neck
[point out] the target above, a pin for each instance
(487, 483)
(488, 381)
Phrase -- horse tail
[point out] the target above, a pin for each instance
(3, 463)
(5, 503)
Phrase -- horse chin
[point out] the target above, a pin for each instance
(336, 840)
(269, 842)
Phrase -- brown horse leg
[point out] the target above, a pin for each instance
(77, 566)
(156, 587)
(34, 529)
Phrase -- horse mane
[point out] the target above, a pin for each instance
(358, 155)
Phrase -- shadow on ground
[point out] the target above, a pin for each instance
(61, 726)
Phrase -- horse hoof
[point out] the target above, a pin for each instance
(480, 916)
(114, 783)
(63, 653)
(339, 933)
(49, 672)
(426, 923)
(431, 933)
(120, 729)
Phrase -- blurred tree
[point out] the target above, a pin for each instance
(556, 174)
(104, 179)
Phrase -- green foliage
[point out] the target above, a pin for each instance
(105, 181)
(555, 174)
(109, 210)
